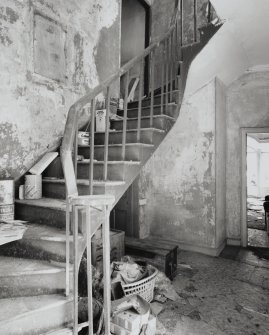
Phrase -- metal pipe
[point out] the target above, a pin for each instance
(106, 133)
(171, 67)
(167, 75)
(106, 267)
(140, 94)
(67, 248)
(162, 77)
(181, 23)
(152, 87)
(75, 286)
(89, 270)
(76, 150)
(91, 166)
(124, 128)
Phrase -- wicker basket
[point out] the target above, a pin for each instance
(143, 287)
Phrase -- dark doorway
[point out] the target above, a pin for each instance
(135, 34)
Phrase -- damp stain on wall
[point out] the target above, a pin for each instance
(34, 108)
(179, 180)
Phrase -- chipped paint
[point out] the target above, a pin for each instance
(179, 180)
(34, 109)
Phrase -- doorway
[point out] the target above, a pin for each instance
(255, 187)
(135, 36)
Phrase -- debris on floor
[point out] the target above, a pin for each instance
(11, 231)
(209, 296)
(255, 213)
(164, 287)
(155, 252)
(131, 315)
(127, 272)
(145, 290)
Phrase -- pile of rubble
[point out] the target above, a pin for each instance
(138, 293)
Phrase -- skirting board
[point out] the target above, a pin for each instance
(202, 250)
(236, 242)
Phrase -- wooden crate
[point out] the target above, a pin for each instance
(117, 247)
(158, 253)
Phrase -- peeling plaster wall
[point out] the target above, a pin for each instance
(179, 181)
(33, 108)
(247, 106)
(221, 115)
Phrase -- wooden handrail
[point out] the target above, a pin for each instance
(73, 113)
(169, 45)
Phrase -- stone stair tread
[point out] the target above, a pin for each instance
(86, 182)
(46, 233)
(16, 308)
(12, 267)
(148, 117)
(155, 95)
(52, 203)
(86, 161)
(62, 331)
(146, 145)
(132, 130)
(148, 107)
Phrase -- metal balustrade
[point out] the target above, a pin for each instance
(168, 47)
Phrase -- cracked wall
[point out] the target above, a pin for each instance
(33, 107)
(179, 181)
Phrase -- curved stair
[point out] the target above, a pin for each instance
(32, 276)
(32, 279)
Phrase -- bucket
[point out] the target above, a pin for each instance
(100, 121)
(83, 138)
(33, 186)
(6, 200)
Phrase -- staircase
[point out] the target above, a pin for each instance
(33, 270)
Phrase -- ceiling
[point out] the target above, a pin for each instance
(240, 44)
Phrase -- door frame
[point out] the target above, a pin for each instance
(244, 133)
(147, 7)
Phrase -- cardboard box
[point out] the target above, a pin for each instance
(130, 323)
(117, 330)
(128, 320)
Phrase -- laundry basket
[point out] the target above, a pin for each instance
(143, 287)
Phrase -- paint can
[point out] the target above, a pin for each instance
(33, 186)
(6, 212)
(100, 121)
(21, 192)
(6, 200)
(83, 138)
